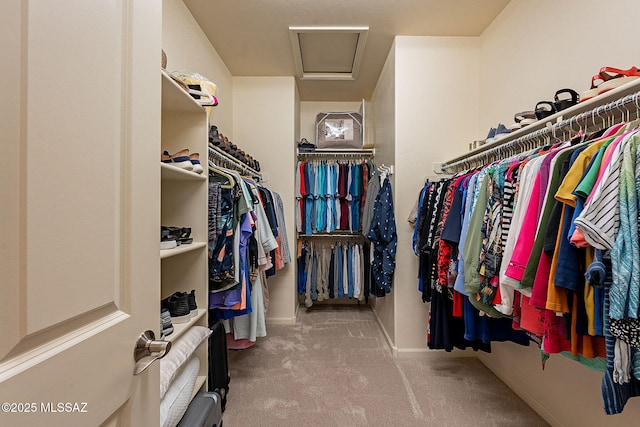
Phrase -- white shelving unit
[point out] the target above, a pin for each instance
(183, 203)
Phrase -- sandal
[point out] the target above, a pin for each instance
(609, 78)
(609, 73)
(522, 119)
(542, 113)
(563, 104)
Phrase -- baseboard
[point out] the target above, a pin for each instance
(281, 320)
(392, 347)
(522, 392)
(421, 352)
(428, 353)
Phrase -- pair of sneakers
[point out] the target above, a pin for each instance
(183, 159)
(170, 237)
(181, 306)
(497, 133)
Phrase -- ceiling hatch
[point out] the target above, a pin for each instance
(328, 53)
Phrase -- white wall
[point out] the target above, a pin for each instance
(534, 48)
(189, 50)
(531, 50)
(382, 120)
(264, 111)
(436, 115)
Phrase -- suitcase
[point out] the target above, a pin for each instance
(218, 365)
(205, 410)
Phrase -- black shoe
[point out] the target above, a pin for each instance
(178, 306)
(185, 236)
(191, 301)
(214, 138)
(169, 237)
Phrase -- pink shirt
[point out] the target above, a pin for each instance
(524, 244)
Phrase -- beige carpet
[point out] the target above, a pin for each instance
(334, 368)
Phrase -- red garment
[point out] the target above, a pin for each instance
(540, 283)
(344, 214)
(531, 319)
(554, 338)
(458, 304)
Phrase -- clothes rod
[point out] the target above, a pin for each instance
(216, 153)
(581, 114)
(334, 235)
(356, 152)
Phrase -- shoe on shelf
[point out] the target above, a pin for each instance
(561, 103)
(501, 131)
(522, 119)
(214, 136)
(178, 306)
(544, 109)
(167, 244)
(169, 237)
(191, 300)
(195, 161)
(491, 136)
(180, 159)
(185, 236)
(166, 327)
(609, 78)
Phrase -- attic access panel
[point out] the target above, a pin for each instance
(328, 53)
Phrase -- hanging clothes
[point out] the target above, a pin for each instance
(545, 244)
(331, 269)
(330, 195)
(382, 234)
(246, 231)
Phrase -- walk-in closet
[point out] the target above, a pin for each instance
(183, 248)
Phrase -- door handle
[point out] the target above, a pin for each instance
(148, 350)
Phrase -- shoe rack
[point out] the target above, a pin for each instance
(183, 203)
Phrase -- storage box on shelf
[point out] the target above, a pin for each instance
(184, 204)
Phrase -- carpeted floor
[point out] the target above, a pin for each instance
(334, 368)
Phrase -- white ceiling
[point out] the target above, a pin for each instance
(252, 36)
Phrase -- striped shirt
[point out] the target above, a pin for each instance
(600, 219)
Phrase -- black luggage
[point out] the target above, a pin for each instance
(205, 410)
(218, 365)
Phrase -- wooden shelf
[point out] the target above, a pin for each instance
(200, 381)
(181, 328)
(175, 99)
(167, 253)
(183, 202)
(168, 172)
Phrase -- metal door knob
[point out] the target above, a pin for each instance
(148, 350)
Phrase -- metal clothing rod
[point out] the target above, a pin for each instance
(216, 156)
(364, 152)
(596, 113)
(335, 235)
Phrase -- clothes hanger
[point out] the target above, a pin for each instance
(220, 171)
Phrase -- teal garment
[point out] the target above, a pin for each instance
(625, 254)
(531, 269)
(598, 364)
